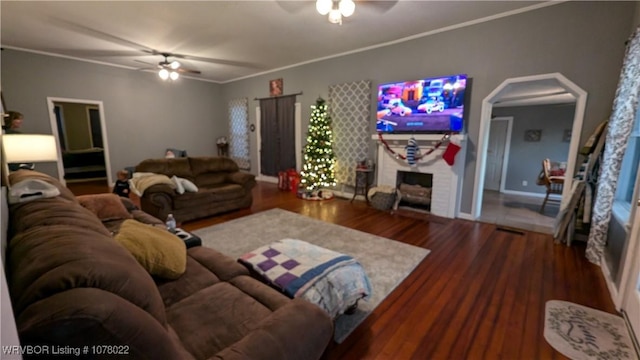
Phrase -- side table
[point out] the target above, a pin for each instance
(363, 182)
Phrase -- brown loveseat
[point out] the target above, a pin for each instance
(221, 186)
(73, 286)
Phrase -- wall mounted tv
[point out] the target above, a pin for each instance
(426, 106)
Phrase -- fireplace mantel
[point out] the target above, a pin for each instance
(426, 137)
(447, 180)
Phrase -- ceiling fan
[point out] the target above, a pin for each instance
(169, 69)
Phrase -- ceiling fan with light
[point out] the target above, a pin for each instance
(336, 9)
(170, 69)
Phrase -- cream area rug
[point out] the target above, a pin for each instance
(387, 262)
(579, 332)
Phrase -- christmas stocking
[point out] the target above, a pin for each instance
(452, 149)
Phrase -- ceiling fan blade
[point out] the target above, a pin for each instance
(188, 71)
(143, 62)
(93, 53)
(378, 6)
(217, 61)
(294, 7)
(84, 30)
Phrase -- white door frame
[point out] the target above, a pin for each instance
(54, 131)
(485, 122)
(298, 144)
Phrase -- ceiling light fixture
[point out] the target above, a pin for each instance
(166, 74)
(336, 9)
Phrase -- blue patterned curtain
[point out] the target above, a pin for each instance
(621, 121)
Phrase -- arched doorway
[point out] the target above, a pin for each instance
(536, 89)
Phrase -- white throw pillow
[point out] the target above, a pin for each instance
(178, 181)
(188, 185)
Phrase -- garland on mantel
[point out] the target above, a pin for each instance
(445, 137)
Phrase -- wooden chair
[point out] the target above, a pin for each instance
(554, 184)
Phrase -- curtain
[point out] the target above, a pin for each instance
(620, 125)
(277, 131)
(349, 111)
(239, 133)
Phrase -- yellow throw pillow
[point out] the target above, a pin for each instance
(160, 252)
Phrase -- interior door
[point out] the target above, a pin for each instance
(495, 154)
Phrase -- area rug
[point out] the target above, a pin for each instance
(579, 332)
(387, 262)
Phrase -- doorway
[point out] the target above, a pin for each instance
(80, 131)
(529, 90)
(498, 153)
(297, 143)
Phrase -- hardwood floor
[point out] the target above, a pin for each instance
(479, 294)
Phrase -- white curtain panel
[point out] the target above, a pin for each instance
(349, 108)
(625, 106)
(239, 132)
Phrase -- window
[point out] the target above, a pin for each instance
(628, 175)
(239, 132)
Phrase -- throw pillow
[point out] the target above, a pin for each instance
(179, 187)
(160, 252)
(188, 185)
(106, 206)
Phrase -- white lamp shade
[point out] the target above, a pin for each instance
(324, 6)
(335, 17)
(164, 74)
(347, 7)
(29, 148)
(175, 64)
(174, 75)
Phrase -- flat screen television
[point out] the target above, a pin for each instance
(426, 106)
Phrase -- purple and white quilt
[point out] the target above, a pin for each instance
(329, 279)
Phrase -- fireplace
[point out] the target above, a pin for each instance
(414, 190)
(446, 180)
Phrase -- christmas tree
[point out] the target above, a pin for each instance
(319, 159)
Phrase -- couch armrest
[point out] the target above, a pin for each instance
(157, 201)
(248, 181)
(298, 330)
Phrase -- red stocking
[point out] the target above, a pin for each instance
(450, 153)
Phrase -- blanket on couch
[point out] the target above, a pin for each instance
(329, 279)
(142, 181)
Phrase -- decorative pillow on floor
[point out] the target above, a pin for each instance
(160, 252)
(106, 206)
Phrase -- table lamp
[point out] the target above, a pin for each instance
(27, 148)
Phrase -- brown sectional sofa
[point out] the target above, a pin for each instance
(222, 187)
(72, 285)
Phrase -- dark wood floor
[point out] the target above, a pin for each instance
(480, 294)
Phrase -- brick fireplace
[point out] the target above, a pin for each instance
(446, 180)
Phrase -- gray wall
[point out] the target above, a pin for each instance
(525, 158)
(561, 38)
(144, 115)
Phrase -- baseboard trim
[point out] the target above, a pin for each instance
(611, 285)
(269, 179)
(466, 216)
(532, 194)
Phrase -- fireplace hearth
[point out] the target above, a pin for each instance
(414, 190)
